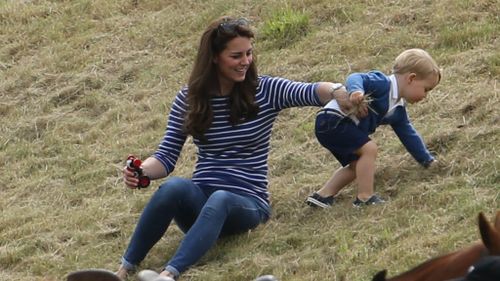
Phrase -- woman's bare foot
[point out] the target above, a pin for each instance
(167, 273)
(122, 273)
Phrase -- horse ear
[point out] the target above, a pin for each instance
(484, 229)
(490, 236)
(380, 276)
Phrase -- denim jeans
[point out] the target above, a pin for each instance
(202, 214)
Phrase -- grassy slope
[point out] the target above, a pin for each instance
(84, 83)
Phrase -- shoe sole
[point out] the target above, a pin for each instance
(317, 203)
(367, 204)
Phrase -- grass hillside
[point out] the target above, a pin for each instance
(84, 83)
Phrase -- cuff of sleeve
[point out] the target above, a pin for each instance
(158, 157)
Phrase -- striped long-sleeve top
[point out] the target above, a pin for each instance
(234, 158)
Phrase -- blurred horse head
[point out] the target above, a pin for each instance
(455, 264)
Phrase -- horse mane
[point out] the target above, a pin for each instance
(457, 263)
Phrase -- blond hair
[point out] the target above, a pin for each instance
(416, 61)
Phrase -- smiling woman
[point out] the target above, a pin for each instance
(233, 62)
(236, 58)
(229, 111)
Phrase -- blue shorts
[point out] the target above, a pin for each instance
(339, 135)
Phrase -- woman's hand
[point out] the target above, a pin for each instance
(342, 98)
(151, 167)
(129, 178)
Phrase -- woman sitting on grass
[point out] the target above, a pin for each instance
(229, 111)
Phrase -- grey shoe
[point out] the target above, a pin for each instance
(266, 278)
(149, 275)
(316, 200)
(373, 200)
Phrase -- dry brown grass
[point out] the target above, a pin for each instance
(85, 83)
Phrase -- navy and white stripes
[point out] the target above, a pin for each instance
(234, 158)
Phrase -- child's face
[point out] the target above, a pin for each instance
(415, 90)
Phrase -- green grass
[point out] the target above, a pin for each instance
(85, 83)
(285, 27)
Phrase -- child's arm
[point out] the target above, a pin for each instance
(412, 141)
(355, 83)
(356, 89)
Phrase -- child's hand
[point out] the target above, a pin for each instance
(356, 97)
(360, 106)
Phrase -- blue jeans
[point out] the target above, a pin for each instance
(202, 214)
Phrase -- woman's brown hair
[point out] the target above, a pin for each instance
(203, 81)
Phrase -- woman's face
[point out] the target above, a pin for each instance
(233, 62)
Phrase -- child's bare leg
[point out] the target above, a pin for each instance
(340, 178)
(365, 170)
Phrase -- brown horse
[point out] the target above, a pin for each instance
(456, 264)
